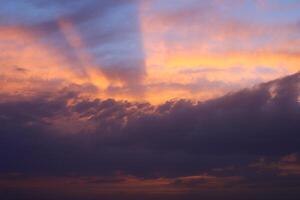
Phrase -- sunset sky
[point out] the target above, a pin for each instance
(149, 99)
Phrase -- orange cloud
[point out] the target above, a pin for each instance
(29, 66)
(198, 59)
(88, 68)
(25, 61)
(126, 184)
(196, 38)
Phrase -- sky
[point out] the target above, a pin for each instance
(149, 99)
(137, 49)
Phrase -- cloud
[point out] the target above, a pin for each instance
(84, 38)
(90, 42)
(64, 133)
(71, 126)
(187, 35)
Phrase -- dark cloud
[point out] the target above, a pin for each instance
(62, 134)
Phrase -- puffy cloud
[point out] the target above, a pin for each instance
(211, 144)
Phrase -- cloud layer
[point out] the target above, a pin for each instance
(238, 142)
(144, 99)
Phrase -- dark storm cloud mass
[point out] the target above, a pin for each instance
(252, 134)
